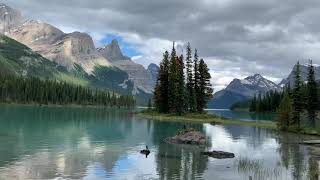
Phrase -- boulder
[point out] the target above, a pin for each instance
(187, 136)
(219, 154)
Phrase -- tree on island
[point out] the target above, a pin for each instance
(205, 90)
(297, 97)
(178, 93)
(162, 85)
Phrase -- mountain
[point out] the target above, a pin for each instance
(154, 70)
(76, 54)
(137, 73)
(112, 51)
(303, 73)
(18, 59)
(65, 49)
(240, 90)
(9, 18)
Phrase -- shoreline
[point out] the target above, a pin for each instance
(62, 105)
(205, 118)
(212, 119)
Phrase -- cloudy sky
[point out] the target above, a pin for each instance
(237, 38)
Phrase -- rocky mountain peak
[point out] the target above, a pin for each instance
(112, 51)
(303, 72)
(154, 70)
(9, 18)
(79, 43)
(33, 33)
(242, 89)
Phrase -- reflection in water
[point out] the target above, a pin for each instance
(243, 115)
(90, 143)
(256, 169)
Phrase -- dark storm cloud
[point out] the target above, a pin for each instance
(240, 36)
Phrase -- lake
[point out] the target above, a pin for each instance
(243, 115)
(96, 143)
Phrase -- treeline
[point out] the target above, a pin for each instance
(269, 102)
(27, 90)
(294, 103)
(301, 99)
(183, 84)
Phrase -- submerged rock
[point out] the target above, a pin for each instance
(219, 154)
(187, 136)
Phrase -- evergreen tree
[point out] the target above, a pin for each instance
(204, 90)
(198, 103)
(162, 85)
(297, 97)
(253, 104)
(181, 93)
(28, 90)
(189, 78)
(173, 81)
(284, 113)
(312, 96)
(149, 105)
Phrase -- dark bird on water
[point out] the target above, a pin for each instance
(145, 151)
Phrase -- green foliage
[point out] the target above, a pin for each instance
(173, 81)
(162, 85)
(297, 96)
(284, 113)
(312, 96)
(26, 90)
(204, 92)
(241, 105)
(190, 80)
(172, 94)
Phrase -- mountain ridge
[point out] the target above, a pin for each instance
(240, 90)
(75, 51)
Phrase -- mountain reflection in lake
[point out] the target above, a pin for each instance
(93, 143)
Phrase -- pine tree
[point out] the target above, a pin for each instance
(181, 94)
(312, 95)
(162, 85)
(297, 97)
(173, 81)
(189, 78)
(253, 104)
(284, 113)
(198, 103)
(204, 90)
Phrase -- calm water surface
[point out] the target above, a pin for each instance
(89, 143)
(243, 115)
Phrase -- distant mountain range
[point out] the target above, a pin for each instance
(76, 54)
(303, 73)
(240, 90)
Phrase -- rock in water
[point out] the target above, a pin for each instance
(187, 137)
(219, 154)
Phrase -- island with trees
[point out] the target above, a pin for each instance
(183, 90)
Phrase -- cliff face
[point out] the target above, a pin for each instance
(154, 70)
(9, 18)
(65, 49)
(112, 52)
(76, 52)
(141, 77)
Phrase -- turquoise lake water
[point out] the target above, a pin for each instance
(93, 143)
